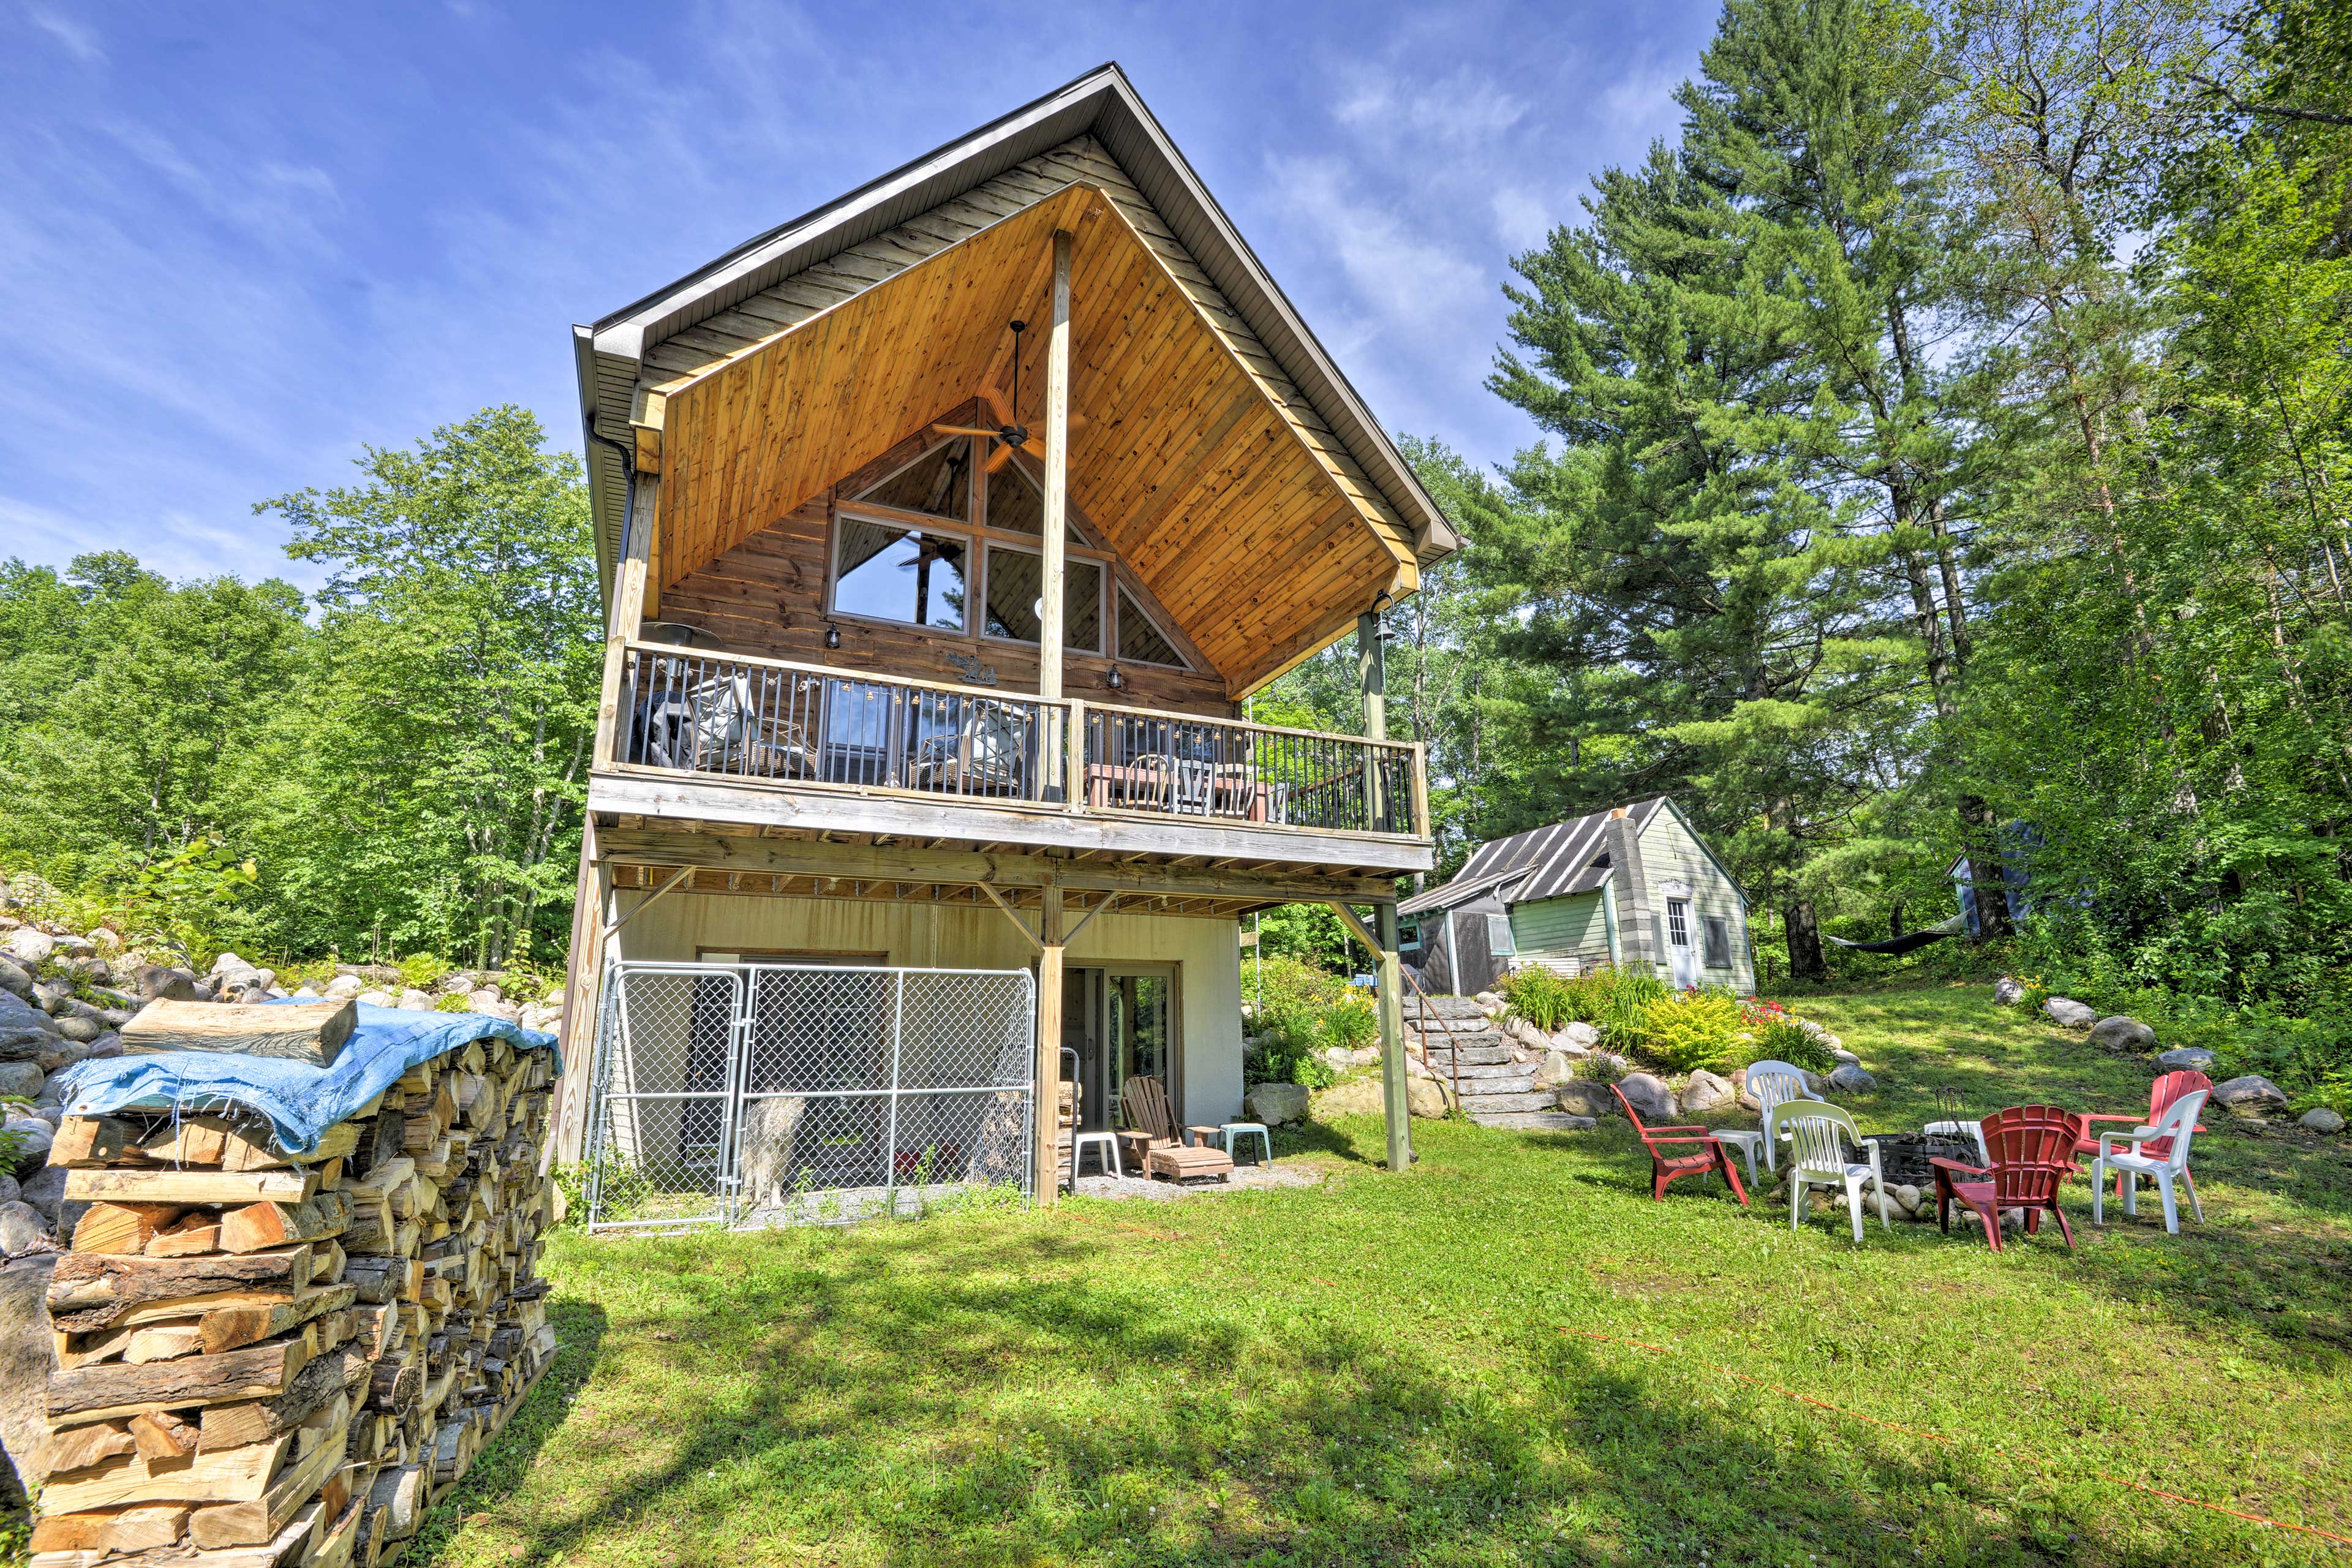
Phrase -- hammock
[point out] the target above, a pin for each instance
(1957, 926)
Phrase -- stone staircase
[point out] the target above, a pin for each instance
(1497, 1089)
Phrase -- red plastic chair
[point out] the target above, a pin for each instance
(2165, 1093)
(1665, 1168)
(2030, 1151)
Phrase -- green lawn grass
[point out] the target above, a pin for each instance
(1379, 1370)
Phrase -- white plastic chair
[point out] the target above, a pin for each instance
(1773, 1084)
(1971, 1130)
(2178, 1123)
(1818, 1134)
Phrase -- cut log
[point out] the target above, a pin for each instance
(84, 1286)
(160, 1435)
(234, 1475)
(251, 1522)
(95, 1392)
(252, 1150)
(227, 1327)
(190, 1235)
(120, 1227)
(91, 1140)
(79, 1447)
(140, 1527)
(187, 1187)
(188, 1140)
(163, 1342)
(312, 1032)
(233, 1425)
(404, 1494)
(265, 1224)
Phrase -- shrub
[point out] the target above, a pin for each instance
(420, 970)
(1693, 1029)
(1783, 1039)
(1544, 997)
(1350, 1023)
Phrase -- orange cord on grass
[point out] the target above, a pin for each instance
(2264, 1520)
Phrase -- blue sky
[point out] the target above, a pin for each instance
(240, 241)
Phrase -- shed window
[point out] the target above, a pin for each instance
(1499, 942)
(1718, 943)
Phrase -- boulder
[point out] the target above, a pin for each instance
(2321, 1118)
(2122, 1033)
(1906, 1197)
(554, 997)
(415, 1001)
(155, 982)
(2008, 992)
(374, 998)
(2069, 1013)
(16, 978)
(52, 996)
(1584, 1097)
(1361, 1057)
(1558, 1067)
(1649, 1096)
(228, 962)
(105, 938)
(21, 1080)
(9, 1191)
(75, 946)
(35, 1136)
(2252, 1095)
(344, 986)
(86, 1027)
(21, 1230)
(1521, 1033)
(456, 984)
(1706, 1094)
(1830, 1043)
(25, 1031)
(1575, 1038)
(1356, 1097)
(2186, 1058)
(1850, 1078)
(1276, 1104)
(1428, 1098)
(44, 1189)
(31, 946)
(1842, 1054)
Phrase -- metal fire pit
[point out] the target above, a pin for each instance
(1903, 1156)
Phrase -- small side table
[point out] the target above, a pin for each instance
(1232, 1130)
(1746, 1140)
(1106, 1143)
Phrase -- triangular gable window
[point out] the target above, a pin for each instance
(1140, 642)
(1016, 505)
(932, 483)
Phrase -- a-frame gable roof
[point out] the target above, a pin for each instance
(702, 319)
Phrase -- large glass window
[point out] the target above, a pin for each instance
(911, 575)
(934, 483)
(1015, 607)
(1140, 641)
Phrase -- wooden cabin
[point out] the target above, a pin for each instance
(1632, 885)
(944, 531)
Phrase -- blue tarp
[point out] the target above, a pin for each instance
(301, 1100)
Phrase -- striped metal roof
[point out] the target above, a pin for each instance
(1548, 862)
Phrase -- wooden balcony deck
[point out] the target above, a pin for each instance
(726, 748)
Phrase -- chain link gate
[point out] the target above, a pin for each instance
(769, 1093)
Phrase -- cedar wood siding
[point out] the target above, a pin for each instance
(1670, 853)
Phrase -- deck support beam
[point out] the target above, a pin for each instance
(1049, 1049)
(1050, 639)
(1380, 941)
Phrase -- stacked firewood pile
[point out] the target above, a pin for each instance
(267, 1360)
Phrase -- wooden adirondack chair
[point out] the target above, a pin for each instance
(1159, 1146)
(1665, 1168)
(2030, 1151)
(2162, 1096)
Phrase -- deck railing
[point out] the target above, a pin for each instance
(736, 716)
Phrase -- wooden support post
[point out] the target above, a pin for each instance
(583, 988)
(1372, 679)
(1393, 1103)
(1058, 492)
(1049, 1045)
(1380, 941)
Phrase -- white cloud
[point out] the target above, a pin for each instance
(75, 39)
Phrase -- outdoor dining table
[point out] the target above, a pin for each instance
(1233, 792)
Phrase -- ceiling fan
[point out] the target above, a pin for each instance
(1009, 438)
